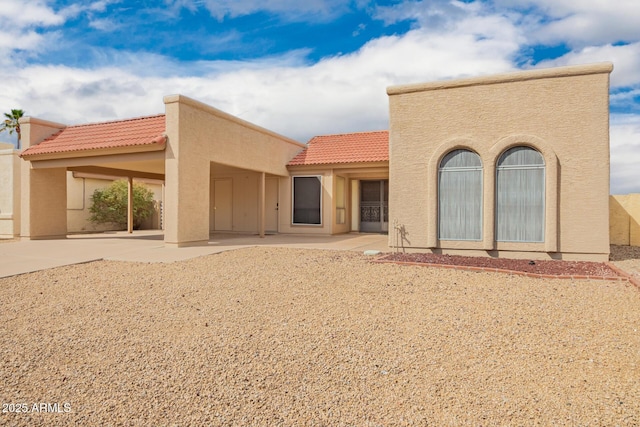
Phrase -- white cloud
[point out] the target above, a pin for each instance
(104, 24)
(341, 93)
(625, 98)
(93, 10)
(32, 26)
(18, 20)
(579, 23)
(625, 58)
(27, 27)
(291, 10)
(101, 6)
(625, 153)
(285, 93)
(28, 40)
(90, 8)
(19, 14)
(429, 14)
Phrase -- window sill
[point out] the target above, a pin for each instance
(521, 246)
(460, 244)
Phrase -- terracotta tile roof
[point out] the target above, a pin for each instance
(142, 131)
(345, 148)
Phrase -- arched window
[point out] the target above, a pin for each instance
(520, 189)
(460, 196)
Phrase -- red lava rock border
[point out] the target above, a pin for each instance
(622, 275)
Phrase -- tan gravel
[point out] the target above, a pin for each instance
(286, 337)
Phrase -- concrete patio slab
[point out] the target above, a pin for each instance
(25, 256)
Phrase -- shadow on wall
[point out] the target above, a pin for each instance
(401, 238)
(624, 219)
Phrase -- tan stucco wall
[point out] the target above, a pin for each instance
(286, 204)
(47, 199)
(244, 200)
(197, 135)
(43, 209)
(624, 220)
(563, 113)
(9, 191)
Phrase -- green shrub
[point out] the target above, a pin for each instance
(109, 205)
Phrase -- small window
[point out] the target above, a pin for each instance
(460, 196)
(307, 200)
(520, 193)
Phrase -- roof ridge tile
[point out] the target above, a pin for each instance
(115, 121)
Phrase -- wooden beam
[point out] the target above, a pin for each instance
(97, 160)
(116, 172)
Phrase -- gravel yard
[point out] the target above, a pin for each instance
(289, 337)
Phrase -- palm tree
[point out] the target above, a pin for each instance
(12, 123)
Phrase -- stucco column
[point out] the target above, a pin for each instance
(43, 204)
(187, 180)
(355, 207)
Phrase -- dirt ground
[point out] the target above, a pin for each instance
(626, 258)
(288, 337)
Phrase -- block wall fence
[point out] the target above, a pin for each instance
(624, 219)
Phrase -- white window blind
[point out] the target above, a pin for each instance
(460, 196)
(520, 188)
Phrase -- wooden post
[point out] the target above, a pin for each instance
(262, 204)
(130, 204)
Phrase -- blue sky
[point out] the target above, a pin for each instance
(303, 68)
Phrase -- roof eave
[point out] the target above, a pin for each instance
(337, 165)
(156, 145)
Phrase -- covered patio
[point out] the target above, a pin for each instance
(190, 148)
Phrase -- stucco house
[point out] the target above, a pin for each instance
(514, 164)
(505, 165)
